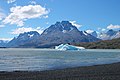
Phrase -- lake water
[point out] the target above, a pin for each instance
(47, 59)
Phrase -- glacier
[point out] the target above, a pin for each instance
(65, 47)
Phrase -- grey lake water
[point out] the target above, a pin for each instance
(47, 59)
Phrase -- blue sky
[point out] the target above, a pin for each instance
(18, 16)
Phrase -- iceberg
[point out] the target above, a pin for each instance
(68, 47)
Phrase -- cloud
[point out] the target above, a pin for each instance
(10, 1)
(32, 2)
(45, 16)
(102, 29)
(6, 39)
(47, 22)
(2, 15)
(19, 14)
(75, 24)
(89, 31)
(23, 29)
(2, 25)
(113, 26)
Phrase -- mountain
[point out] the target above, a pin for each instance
(25, 38)
(60, 32)
(110, 34)
(64, 32)
(117, 35)
(105, 44)
(3, 43)
(93, 33)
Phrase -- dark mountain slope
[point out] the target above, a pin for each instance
(25, 38)
(106, 44)
(64, 32)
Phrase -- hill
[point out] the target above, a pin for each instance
(106, 44)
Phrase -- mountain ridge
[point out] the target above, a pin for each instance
(60, 32)
(24, 38)
(110, 34)
(64, 32)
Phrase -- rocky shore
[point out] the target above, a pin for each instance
(96, 72)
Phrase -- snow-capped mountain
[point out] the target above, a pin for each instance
(60, 32)
(117, 35)
(110, 34)
(93, 33)
(64, 32)
(24, 38)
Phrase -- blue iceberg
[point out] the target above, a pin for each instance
(68, 47)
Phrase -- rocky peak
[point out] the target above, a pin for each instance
(63, 26)
(29, 34)
(94, 33)
(111, 32)
(24, 38)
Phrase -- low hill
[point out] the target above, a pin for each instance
(106, 44)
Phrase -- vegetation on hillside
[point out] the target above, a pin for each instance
(106, 44)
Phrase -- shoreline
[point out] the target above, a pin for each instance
(96, 72)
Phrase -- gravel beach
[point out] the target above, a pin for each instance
(96, 72)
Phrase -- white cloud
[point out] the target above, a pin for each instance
(10, 1)
(2, 25)
(45, 16)
(75, 24)
(32, 2)
(23, 29)
(113, 26)
(6, 39)
(99, 28)
(89, 31)
(19, 14)
(103, 29)
(47, 22)
(2, 15)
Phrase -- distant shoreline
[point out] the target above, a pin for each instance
(97, 72)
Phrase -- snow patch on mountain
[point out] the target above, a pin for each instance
(85, 33)
(64, 31)
(30, 35)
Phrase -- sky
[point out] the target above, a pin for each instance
(19, 16)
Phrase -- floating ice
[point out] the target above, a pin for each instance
(68, 47)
